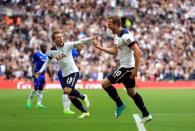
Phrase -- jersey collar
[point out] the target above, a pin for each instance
(41, 52)
(60, 46)
(123, 31)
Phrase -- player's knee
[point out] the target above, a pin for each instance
(105, 83)
(35, 88)
(131, 92)
(67, 90)
(71, 97)
(41, 89)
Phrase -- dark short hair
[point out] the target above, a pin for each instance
(54, 33)
(43, 44)
(115, 19)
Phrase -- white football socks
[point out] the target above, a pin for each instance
(31, 95)
(40, 97)
(66, 102)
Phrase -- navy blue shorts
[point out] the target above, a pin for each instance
(70, 80)
(39, 82)
(122, 75)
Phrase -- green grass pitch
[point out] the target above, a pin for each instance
(172, 110)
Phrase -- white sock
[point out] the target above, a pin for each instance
(31, 94)
(40, 96)
(66, 102)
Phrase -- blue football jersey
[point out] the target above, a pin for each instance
(38, 59)
(75, 53)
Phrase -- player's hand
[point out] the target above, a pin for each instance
(37, 74)
(97, 45)
(97, 38)
(133, 73)
(33, 76)
(96, 41)
(79, 47)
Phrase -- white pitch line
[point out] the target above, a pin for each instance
(173, 114)
(138, 122)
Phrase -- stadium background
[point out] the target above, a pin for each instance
(165, 30)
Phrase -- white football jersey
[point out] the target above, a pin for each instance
(126, 55)
(64, 56)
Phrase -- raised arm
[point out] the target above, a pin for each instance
(83, 41)
(79, 43)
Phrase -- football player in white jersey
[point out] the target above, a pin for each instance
(129, 55)
(62, 52)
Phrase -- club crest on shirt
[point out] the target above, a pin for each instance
(60, 56)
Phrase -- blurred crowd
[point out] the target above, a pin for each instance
(165, 30)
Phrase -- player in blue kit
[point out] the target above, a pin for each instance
(65, 99)
(38, 59)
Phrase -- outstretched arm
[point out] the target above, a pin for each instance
(112, 50)
(83, 41)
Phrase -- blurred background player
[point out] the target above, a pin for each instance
(38, 59)
(129, 57)
(65, 99)
(70, 72)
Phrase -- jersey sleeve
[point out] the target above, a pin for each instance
(128, 39)
(69, 45)
(50, 52)
(44, 66)
(73, 44)
(83, 41)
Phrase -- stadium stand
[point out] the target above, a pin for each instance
(164, 29)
